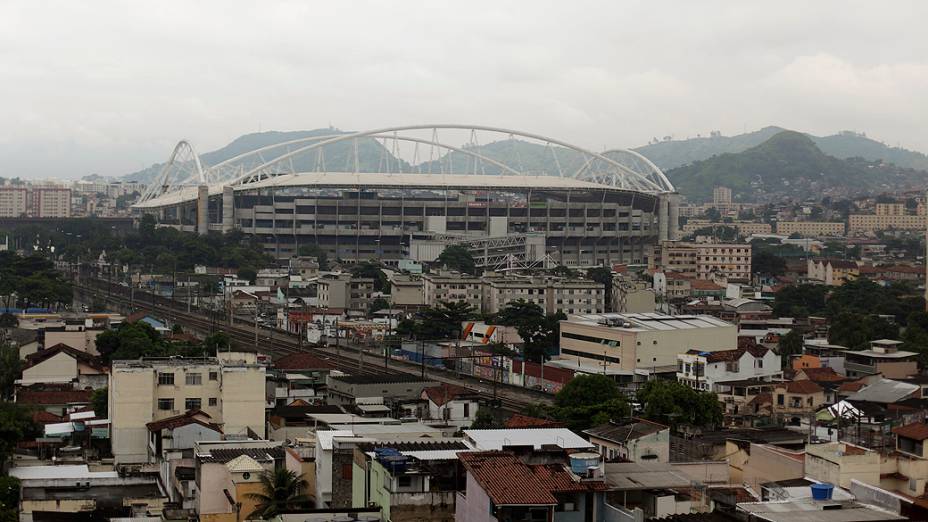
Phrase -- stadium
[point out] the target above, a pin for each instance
(366, 201)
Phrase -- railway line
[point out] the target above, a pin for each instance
(346, 358)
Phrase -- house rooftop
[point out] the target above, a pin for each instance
(916, 430)
(885, 391)
(642, 476)
(622, 432)
(650, 321)
(535, 437)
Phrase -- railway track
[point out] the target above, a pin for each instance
(348, 359)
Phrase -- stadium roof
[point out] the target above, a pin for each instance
(383, 180)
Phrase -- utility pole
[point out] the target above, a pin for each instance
(256, 324)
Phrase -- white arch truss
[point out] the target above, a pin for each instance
(619, 168)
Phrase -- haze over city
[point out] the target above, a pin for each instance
(109, 87)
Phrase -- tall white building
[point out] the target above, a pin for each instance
(230, 389)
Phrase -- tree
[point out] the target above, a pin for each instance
(217, 342)
(767, 263)
(539, 332)
(720, 232)
(603, 276)
(377, 304)
(439, 322)
(9, 498)
(458, 258)
(856, 330)
(8, 320)
(800, 300)
(372, 270)
(790, 344)
(100, 402)
(16, 424)
(484, 420)
(314, 250)
(248, 274)
(589, 400)
(674, 403)
(713, 214)
(147, 227)
(282, 491)
(10, 369)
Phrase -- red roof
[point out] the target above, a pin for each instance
(704, 284)
(824, 374)
(803, 387)
(53, 397)
(443, 393)
(524, 421)
(851, 386)
(302, 361)
(43, 355)
(44, 417)
(916, 430)
(510, 482)
(136, 317)
(184, 419)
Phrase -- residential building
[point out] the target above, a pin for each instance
(552, 294)
(840, 462)
(228, 472)
(832, 272)
(707, 260)
(345, 291)
(346, 389)
(797, 398)
(62, 364)
(50, 202)
(534, 438)
(721, 197)
(673, 285)
(887, 217)
(744, 228)
(631, 295)
(623, 343)
(58, 399)
(502, 487)
(450, 405)
(811, 228)
(407, 291)
(704, 371)
(297, 376)
(656, 490)
(408, 481)
(445, 285)
(229, 388)
(170, 445)
(13, 201)
(883, 357)
(634, 440)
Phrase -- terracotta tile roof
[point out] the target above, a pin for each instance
(851, 387)
(136, 317)
(510, 482)
(44, 417)
(916, 430)
(53, 397)
(825, 374)
(803, 387)
(704, 284)
(43, 355)
(184, 419)
(444, 393)
(730, 355)
(302, 361)
(761, 399)
(524, 421)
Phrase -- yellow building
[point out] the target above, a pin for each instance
(811, 228)
(230, 389)
(707, 260)
(885, 221)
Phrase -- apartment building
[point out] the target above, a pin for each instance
(407, 291)
(445, 285)
(811, 228)
(229, 388)
(707, 260)
(50, 202)
(721, 197)
(744, 228)
(345, 291)
(705, 371)
(622, 343)
(13, 201)
(888, 216)
(571, 296)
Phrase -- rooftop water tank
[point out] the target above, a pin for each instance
(822, 491)
(581, 463)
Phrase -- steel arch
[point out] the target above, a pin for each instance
(183, 146)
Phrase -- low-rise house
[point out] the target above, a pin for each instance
(500, 486)
(57, 399)
(409, 480)
(840, 462)
(704, 371)
(634, 440)
(832, 272)
(343, 390)
(451, 405)
(796, 398)
(886, 391)
(653, 490)
(883, 357)
(745, 399)
(170, 445)
(62, 364)
(297, 376)
(227, 472)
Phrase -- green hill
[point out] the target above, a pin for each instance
(789, 164)
(677, 153)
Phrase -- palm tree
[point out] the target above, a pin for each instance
(282, 490)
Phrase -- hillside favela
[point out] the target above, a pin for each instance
(443, 261)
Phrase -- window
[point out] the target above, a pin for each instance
(194, 379)
(165, 404)
(404, 481)
(166, 379)
(466, 410)
(780, 399)
(192, 403)
(214, 376)
(213, 401)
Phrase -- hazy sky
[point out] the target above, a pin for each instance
(109, 86)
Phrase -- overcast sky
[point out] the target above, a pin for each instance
(108, 87)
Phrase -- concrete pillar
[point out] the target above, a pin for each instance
(663, 217)
(674, 217)
(228, 209)
(202, 210)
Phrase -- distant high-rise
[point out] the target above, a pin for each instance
(721, 197)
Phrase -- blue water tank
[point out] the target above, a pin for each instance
(580, 463)
(822, 491)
